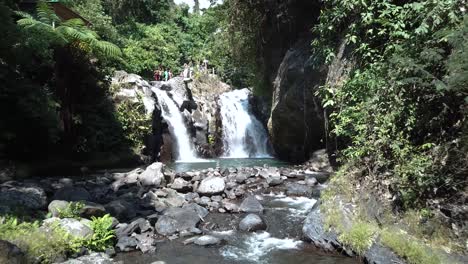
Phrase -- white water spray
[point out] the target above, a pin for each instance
(243, 135)
(172, 115)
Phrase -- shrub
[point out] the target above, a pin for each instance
(360, 237)
(39, 245)
(71, 211)
(103, 234)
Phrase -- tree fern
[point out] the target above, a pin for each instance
(69, 31)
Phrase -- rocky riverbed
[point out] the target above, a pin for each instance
(233, 215)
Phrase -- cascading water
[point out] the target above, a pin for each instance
(172, 115)
(243, 135)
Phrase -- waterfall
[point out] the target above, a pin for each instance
(172, 115)
(243, 135)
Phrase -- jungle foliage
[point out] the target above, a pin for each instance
(401, 114)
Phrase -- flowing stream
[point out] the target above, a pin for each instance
(170, 112)
(243, 135)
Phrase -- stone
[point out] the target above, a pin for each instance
(211, 186)
(121, 209)
(319, 176)
(126, 243)
(145, 242)
(93, 258)
(201, 211)
(11, 254)
(181, 185)
(230, 207)
(311, 181)
(315, 233)
(31, 197)
(139, 225)
(75, 227)
(91, 209)
(241, 177)
(251, 205)
(296, 189)
(72, 194)
(176, 220)
(378, 254)
(190, 197)
(204, 200)
(207, 240)
(56, 206)
(153, 175)
(274, 180)
(252, 223)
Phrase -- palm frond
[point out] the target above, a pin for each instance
(74, 23)
(109, 49)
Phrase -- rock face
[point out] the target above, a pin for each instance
(211, 186)
(296, 123)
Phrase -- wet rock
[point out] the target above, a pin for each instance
(72, 194)
(91, 209)
(176, 220)
(207, 240)
(32, 197)
(201, 211)
(297, 189)
(378, 254)
(126, 244)
(56, 206)
(320, 176)
(11, 254)
(145, 242)
(153, 175)
(139, 225)
(211, 186)
(274, 180)
(181, 185)
(93, 258)
(252, 223)
(311, 181)
(121, 209)
(314, 231)
(251, 205)
(230, 207)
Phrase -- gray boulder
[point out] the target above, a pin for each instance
(56, 206)
(153, 175)
(127, 243)
(296, 189)
(74, 227)
(91, 209)
(181, 185)
(176, 220)
(31, 197)
(252, 223)
(314, 231)
(251, 205)
(145, 242)
(207, 240)
(72, 194)
(11, 254)
(378, 254)
(211, 186)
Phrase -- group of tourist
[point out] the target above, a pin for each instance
(162, 74)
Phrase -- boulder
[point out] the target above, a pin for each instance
(121, 209)
(91, 209)
(378, 254)
(145, 242)
(139, 225)
(296, 189)
(251, 205)
(274, 180)
(153, 175)
(31, 197)
(313, 231)
(252, 223)
(11, 254)
(93, 258)
(56, 206)
(75, 227)
(126, 243)
(211, 185)
(181, 185)
(72, 194)
(207, 240)
(176, 220)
